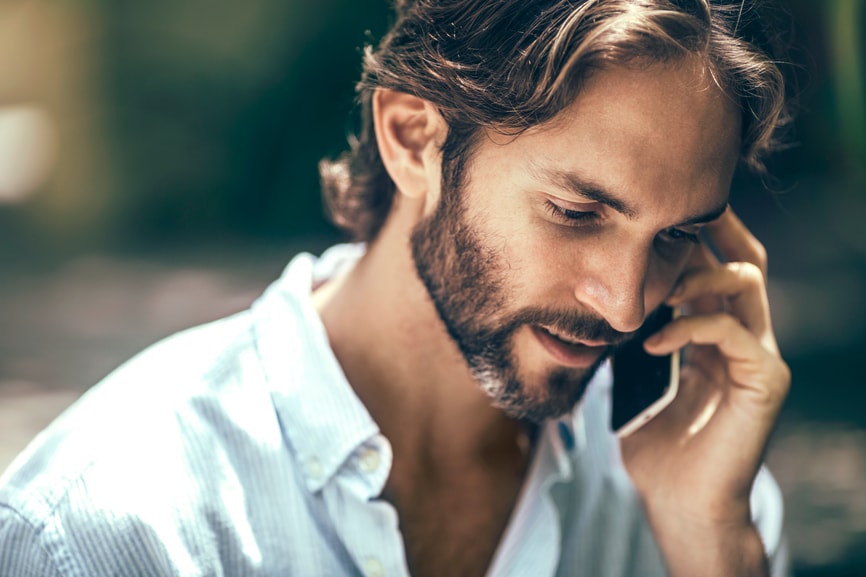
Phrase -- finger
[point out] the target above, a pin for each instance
(757, 379)
(701, 259)
(719, 329)
(749, 363)
(742, 286)
(735, 242)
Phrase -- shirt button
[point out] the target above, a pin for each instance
(369, 460)
(373, 568)
(314, 467)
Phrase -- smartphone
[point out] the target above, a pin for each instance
(643, 384)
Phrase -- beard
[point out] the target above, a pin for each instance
(466, 279)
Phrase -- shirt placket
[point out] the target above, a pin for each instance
(367, 525)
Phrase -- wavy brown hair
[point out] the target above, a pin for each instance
(508, 65)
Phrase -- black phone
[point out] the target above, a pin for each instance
(643, 384)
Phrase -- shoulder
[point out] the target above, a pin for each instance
(156, 461)
(21, 552)
(143, 400)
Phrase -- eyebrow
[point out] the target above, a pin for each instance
(588, 190)
(708, 216)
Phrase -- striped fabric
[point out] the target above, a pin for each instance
(239, 448)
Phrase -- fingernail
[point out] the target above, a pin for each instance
(653, 340)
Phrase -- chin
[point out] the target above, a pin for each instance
(555, 396)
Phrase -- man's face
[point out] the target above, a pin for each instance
(561, 241)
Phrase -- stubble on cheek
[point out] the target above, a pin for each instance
(471, 280)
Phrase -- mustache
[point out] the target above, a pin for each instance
(580, 326)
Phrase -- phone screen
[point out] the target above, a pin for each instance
(643, 384)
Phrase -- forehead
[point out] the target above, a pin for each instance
(665, 131)
(658, 99)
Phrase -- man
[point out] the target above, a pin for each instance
(532, 179)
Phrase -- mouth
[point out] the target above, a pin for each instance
(568, 350)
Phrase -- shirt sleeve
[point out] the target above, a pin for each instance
(86, 541)
(21, 551)
(767, 514)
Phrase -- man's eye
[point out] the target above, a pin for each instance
(678, 235)
(568, 216)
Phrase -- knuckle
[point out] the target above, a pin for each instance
(759, 255)
(732, 323)
(785, 376)
(781, 384)
(747, 272)
(725, 322)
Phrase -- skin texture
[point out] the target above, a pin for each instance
(582, 227)
(469, 283)
(473, 258)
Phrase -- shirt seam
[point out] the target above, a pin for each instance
(39, 529)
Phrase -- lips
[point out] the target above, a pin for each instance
(568, 350)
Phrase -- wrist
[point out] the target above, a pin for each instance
(710, 549)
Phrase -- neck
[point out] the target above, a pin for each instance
(403, 365)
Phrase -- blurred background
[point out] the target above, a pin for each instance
(158, 169)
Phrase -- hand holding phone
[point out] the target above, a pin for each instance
(694, 465)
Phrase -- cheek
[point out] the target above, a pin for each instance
(529, 264)
(541, 269)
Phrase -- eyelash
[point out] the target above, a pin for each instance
(578, 218)
(570, 217)
(678, 235)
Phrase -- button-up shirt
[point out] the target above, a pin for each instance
(240, 448)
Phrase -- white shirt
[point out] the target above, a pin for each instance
(239, 448)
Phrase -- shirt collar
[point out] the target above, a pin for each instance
(565, 439)
(322, 418)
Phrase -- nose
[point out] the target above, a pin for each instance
(614, 286)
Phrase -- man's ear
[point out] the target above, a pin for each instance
(409, 131)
